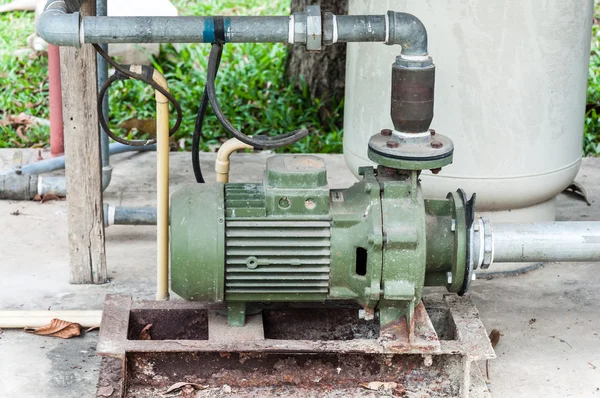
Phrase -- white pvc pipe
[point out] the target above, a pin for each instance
(36, 319)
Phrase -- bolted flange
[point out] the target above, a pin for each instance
(410, 151)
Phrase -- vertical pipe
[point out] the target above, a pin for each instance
(162, 198)
(101, 11)
(56, 116)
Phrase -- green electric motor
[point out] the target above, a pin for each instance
(292, 239)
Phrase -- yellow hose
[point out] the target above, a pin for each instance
(222, 164)
(162, 188)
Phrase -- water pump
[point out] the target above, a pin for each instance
(292, 239)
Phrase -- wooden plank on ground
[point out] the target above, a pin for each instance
(83, 163)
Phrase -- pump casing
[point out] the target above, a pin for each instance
(291, 239)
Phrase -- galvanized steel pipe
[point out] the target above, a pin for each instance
(547, 242)
(184, 29)
(129, 215)
(310, 28)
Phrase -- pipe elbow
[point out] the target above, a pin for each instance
(409, 32)
(222, 162)
(106, 177)
(58, 27)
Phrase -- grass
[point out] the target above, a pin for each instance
(251, 86)
(254, 93)
(23, 82)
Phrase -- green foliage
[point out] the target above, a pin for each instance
(23, 81)
(591, 142)
(251, 86)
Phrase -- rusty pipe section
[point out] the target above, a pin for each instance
(313, 29)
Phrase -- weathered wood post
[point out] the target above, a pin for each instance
(83, 162)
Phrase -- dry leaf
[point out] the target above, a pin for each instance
(145, 333)
(57, 328)
(23, 120)
(92, 329)
(379, 385)
(48, 197)
(188, 392)
(21, 130)
(495, 337)
(180, 385)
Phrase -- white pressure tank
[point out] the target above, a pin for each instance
(510, 92)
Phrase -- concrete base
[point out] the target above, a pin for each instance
(549, 318)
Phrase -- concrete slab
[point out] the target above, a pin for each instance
(549, 318)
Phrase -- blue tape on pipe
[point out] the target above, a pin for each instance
(209, 30)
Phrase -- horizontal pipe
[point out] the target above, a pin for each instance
(184, 29)
(58, 163)
(547, 242)
(36, 319)
(28, 184)
(366, 27)
(116, 215)
(18, 186)
(56, 26)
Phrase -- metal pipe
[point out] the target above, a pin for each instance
(184, 29)
(36, 319)
(367, 27)
(129, 215)
(58, 163)
(546, 242)
(56, 26)
(409, 32)
(309, 28)
(102, 10)
(222, 163)
(57, 147)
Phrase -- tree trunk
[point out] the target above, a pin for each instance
(324, 71)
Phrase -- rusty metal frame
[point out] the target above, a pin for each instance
(468, 343)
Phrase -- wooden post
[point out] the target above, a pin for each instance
(83, 161)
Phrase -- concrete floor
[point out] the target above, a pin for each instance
(549, 318)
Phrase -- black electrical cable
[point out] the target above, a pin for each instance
(198, 129)
(123, 73)
(216, 53)
(259, 142)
